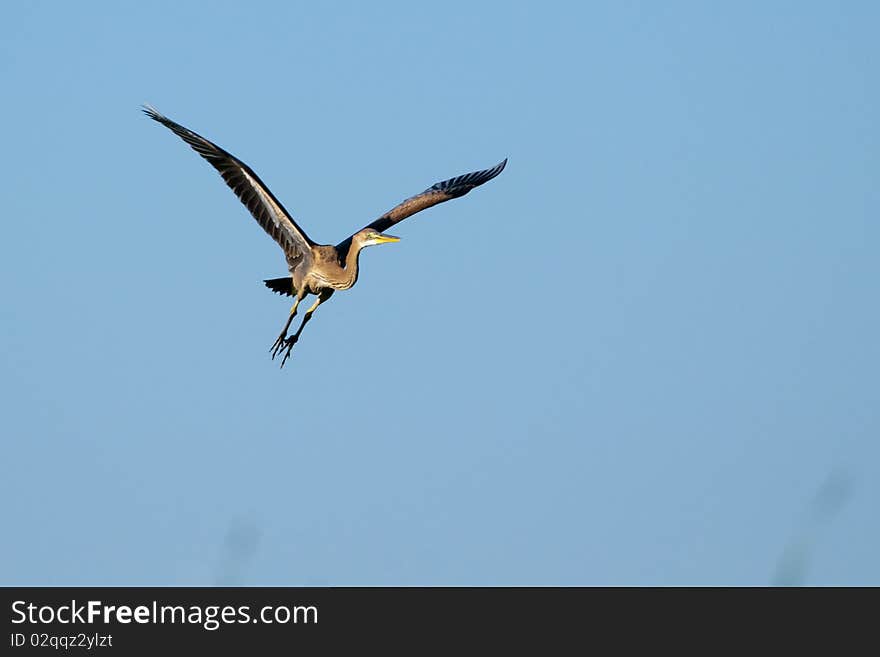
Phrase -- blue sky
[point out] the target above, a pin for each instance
(645, 354)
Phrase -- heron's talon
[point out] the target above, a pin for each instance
(276, 347)
(288, 348)
(285, 345)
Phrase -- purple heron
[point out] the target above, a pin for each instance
(317, 269)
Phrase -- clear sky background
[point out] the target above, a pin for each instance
(647, 353)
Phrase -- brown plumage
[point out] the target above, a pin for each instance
(318, 269)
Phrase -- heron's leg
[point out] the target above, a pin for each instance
(289, 342)
(280, 341)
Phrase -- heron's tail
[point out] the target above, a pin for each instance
(280, 285)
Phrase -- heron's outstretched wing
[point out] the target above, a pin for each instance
(265, 208)
(442, 191)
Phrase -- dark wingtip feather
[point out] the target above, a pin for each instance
(151, 111)
(461, 185)
(494, 171)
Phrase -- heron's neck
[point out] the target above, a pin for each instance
(351, 263)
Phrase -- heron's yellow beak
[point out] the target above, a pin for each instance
(384, 239)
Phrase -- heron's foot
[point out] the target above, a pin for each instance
(278, 346)
(288, 347)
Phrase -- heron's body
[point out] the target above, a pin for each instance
(326, 269)
(316, 269)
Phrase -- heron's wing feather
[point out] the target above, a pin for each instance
(248, 187)
(442, 191)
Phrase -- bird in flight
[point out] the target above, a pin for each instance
(317, 269)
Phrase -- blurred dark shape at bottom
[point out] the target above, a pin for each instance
(239, 547)
(830, 498)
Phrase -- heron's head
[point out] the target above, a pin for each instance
(369, 237)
